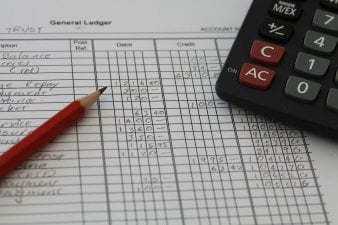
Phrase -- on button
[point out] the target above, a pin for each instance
(256, 76)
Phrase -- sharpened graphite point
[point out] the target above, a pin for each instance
(102, 90)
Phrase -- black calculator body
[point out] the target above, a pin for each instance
(284, 62)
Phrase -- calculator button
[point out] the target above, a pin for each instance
(256, 76)
(285, 9)
(311, 65)
(302, 89)
(276, 30)
(325, 20)
(265, 52)
(332, 4)
(320, 42)
(332, 99)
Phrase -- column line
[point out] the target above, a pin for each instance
(136, 132)
(129, 144)
(239, 148)
(169, 135)
(155, 141)
(213, 140)
(77, 137)
(102, 140)
(184, 127)
(315, 178)
(195, 100)
(117, 133)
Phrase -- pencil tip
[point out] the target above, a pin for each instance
(102, 90)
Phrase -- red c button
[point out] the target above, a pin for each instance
(266, 53)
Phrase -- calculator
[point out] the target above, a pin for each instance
(284, 62)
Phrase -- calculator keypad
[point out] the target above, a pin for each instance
(285, 9)
(306, 64)
(319, 42)
(284, 62)
(311, 65)
(266, 53)
(256, 76)
(302, 89)
(332, 99)
(325, 20)
(276, 30)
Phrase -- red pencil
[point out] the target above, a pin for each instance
(46, 132)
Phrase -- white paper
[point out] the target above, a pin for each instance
(159, 147)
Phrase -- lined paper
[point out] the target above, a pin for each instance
(159, 147)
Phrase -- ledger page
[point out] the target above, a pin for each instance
(159, 147)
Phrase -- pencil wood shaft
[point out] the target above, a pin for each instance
(46, 132)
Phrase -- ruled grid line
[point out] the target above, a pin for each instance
(120, 158)
(279, 174)
(211, 133)
(202, 145)
(77, 142)
(293, 190)
(128, 147)
(239, 147)
(267, 203)
(148, 167)
(219, 129)
(157, 157)
(315, 178)
(170, 140)
(101, 136)
(117, 137)
(185, 131)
